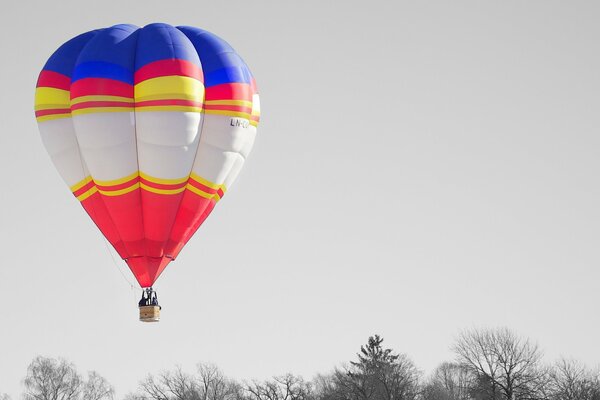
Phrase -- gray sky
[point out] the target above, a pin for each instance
(420, 168)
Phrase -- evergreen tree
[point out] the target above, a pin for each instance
(378, 374)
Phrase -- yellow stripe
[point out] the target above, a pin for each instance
(136, 185)
(163, 85)
(206, 182)
(121, 191)
(117, 181)
(81, 183)
(50, 95)
(39, 107)
(228, 113)
(161, 191)
(163, 180)
(169, 108)
(245, 103)
(254, 123)
(52, 116)
(87, 194)
(83, 99)
(92, 110)
(202, 193)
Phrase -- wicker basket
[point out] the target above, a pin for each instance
(150, 313)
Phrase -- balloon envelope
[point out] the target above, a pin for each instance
(148, 127)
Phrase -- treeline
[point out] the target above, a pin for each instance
(491, 364)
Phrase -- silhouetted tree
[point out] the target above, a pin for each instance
(378, 374)
(170, 385)
(449, 381)
(208, 384)
(97, 388)
(324, 386)
(492, 364)
(571, 380)
(505, 366)
(51, 379)
(286, 387)
(214, 385)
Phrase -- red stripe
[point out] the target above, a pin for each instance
(202, 187)
(53, 79)
(101, 86)
(88, 104)
(52, 111)
(168, 67)
(165, 186)
(120, 185)
(253, 86)
(229, 91)
(84, 188)
(228, 108)
(168, 102)
(220, 193)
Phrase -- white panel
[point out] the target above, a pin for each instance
(107, 136)
(255, 104)
(224, 144)
(58, 136)
(234, 171)
(167, 142)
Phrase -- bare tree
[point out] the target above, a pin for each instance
(449, 381)
(4, 396)
(170, 385)
(324, 386)
(286, 387)
(505, 366)
(97, 388)
(208, 384)
(571, 380)
(50, 379)
(214, 385)
(135, 396)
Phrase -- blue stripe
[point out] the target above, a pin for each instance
(111, 54)
(63, 60)
(102, 69)
(220, 63)
(214, 62)
(227, 75)
(161, 41)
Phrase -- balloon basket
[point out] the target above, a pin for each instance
(149, 313)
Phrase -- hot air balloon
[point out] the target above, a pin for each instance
(148, 127)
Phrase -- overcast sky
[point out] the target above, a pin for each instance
(420, 168)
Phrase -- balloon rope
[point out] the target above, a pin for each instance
(131, 285)
(93, 215)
